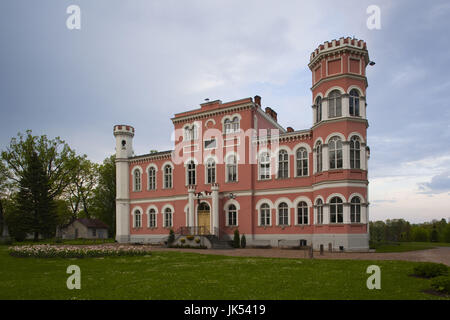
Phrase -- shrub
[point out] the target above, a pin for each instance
(441, 284)
(190, 238)
(49, 251)
(236, 239)
(182, 240)
(197, 240)
(171, 237)
(243, 241)
(430, 270)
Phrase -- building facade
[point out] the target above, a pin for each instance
(234, 166)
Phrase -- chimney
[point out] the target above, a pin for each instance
(258, 100)
(272, 113)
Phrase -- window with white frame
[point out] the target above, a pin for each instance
(355, 210)
(319, 208)
(334, 104)
(302, 162)
(231, 168)
(152, 218)
(283, 214)
(265, 215)
(264, 166)
(137, 180)
(191, 173)
(319, 157)
(151, 178)
(336, 210)
(354, 103)
(302, 213)
(335, 153)
(191, 132)
(137, 219)
(227, 125)
(167, 218)
(235, 124)
(283, 164)
(210, 171)
(168, 176)
(318, 109)
(232, 215)
(355, 153)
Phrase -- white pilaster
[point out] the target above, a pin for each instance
(324, 109)
(325, 157)
(191, 191)
(362, 154)
(346, 154)
(326, 214)
(346, 213)
(215, 208)
(362, 107)
(345, 106)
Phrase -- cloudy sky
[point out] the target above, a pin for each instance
(140, 61)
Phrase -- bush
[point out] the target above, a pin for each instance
(171, 237)
(236, 239)
(190, 238)
(430, 270)
(182, 240)
(197, 240)
(243, 241)
(441, 284)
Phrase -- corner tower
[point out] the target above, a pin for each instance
(124, 150)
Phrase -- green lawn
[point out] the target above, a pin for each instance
(409, 246)
(180, 275)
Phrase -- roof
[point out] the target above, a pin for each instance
(92, 223)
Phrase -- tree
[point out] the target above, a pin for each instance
(3, 181)
(236, 239)
(434, 234)
(104, 199)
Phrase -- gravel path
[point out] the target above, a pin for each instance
(439, 254)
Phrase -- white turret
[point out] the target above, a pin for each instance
(124, 150)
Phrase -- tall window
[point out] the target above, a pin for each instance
(355, 210)
(302, 162)
(334, 104)
(232, 215)
(336, 210)
(168, 217)
(235, 124)
(151, 178)
(283, 164)
(318, 109)
(264, 166)
(190, 132)
(231, 168)
(354, 102)
(152, 218)
(137, 219)
(319, 206)
(167, 176)
(191, 173)
(211, 171)
(319, 157)
(335, 153)
(302, 213)
(283, 214)
(265, 215)
(227, 124)
(137, 180)
(355, 153)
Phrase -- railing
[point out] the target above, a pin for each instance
(194, 231)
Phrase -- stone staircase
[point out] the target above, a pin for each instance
(219, 244)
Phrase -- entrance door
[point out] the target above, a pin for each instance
(204, 218)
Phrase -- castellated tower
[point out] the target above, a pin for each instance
(124, 150)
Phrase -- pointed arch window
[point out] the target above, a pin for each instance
(335, 153)
(152, 218)
(319, 157)
(302, 162)
(265, 215)
(152, 178)
(336, 210)
(210, 171)
(235, 124)
(191, 173)
(318, 109)
(302, 213)
(334, 104)
(283, 164)
(283, 214)
(355, 153)
(167, 177)
(137, 219)
(355, 210)
(319, 206)
(227, 125)
(168, 221)
(354, 103)
(137, 180)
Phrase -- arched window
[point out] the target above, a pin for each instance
(318, 109)
(334, 104)
(137, 219)
(355, 210)
(151, 178)
(302, 162)
(283, 214)
(264, 166)
(235, 124)
(137, 180)
(283, 164)
(335, 153)
(265, 215)
(302, 213)
(231, 169)
(232, 215)
(152, 218)
(354, 102)
(319, 206)
(355, 153)
(227, 124)
(336, 210)
(167, 176)
(319, 157)
(191, 173)
(210, 171)
(168, 217)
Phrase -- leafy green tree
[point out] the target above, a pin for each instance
(236, 239)
(446, 232)
(434, 234)
(3, 181)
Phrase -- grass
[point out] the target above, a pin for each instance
(182, 275)
(408, 246)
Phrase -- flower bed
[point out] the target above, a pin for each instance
(48, 251)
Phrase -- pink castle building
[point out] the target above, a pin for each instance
(235, 167)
